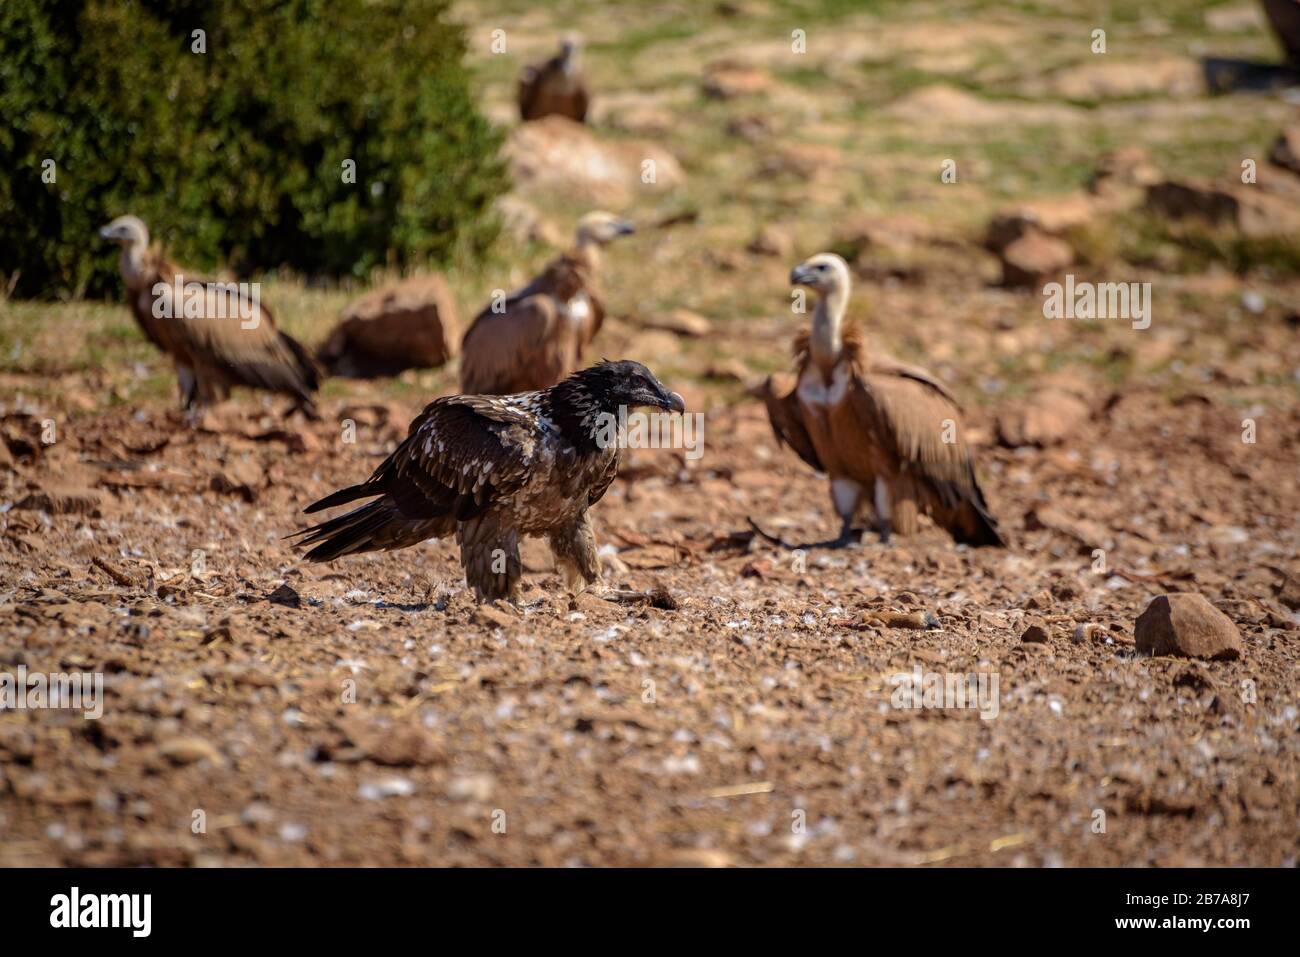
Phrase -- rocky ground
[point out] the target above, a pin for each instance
(724, 700)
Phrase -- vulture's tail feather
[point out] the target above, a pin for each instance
(343, 496)
(980, 530)
(352, 532)
(309, 371)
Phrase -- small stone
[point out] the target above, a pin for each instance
(494, 616)
(1036, 632)
(1185, 624)
(915, 620)
(683, 322)
(189, 751)
(286, 596)
(1041, 601)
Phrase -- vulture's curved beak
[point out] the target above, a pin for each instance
(675, 403)
(799, 275)
(625, 227)
(104, 233)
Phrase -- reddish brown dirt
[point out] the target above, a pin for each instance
(601, 732)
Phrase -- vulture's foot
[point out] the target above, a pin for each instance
(885, 530)
(850, 537)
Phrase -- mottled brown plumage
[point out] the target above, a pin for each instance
(883, 431)
(535, 337)
(491, 469)
(555, 87)
(220, 340)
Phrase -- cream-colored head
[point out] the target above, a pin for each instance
(825, 273)
(570, 51)
(127, 231)
(601, 228)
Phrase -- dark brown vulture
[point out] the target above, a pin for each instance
(556, 86)
(535, 336)
(886, 433)
(217, 334)
(491, 469)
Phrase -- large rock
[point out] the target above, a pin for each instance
(728, 80)
(1245, 207)
(1053, 216)
(413, 324)
(1186, 625)
(1034, 259)
(1047, 417)
(556, 154)
(900, 246)
(1284, 18)
(1286, 149)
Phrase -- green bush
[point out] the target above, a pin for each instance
(235, 156)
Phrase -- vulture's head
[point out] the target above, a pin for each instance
(603, 228)
(824, 273)
(126, 231)
(627, 383)
(570, 48)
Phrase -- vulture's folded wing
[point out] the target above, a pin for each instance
(507, 351)
(461, 454)
(219, 324)
(529, 84)
(780, 396)
(917, 421)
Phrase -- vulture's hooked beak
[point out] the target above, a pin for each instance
(673, 402)
(625, 227)
(104, 233)
(800, 275)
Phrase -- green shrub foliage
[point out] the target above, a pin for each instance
(236, 155)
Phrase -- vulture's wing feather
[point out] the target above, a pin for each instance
(783, 411)
(461, 455)
(530, 82)
(220, 327)
(511, 351)
(913, 416)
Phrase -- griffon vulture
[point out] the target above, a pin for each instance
(556, 86)
(493, 468)
(218, 334)
(534, 337)
(886, 433)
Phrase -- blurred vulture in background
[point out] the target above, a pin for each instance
(534, 337)
(555, 87)
(218, 334)
(885, 432)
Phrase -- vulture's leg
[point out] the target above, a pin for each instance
(574, 548)
(188, 383)
(846, 494)
(490, 556)
(883, 513)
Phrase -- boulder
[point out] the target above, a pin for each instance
(1284, 18)
(729, 80)
(1186, 625)
(1246, 208)
(410, 325)
(555, 154)
(1047, 417)
(1285, 151)
(1034, 259)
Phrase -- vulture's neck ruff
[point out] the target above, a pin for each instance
(575, 406)
(826, 343)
